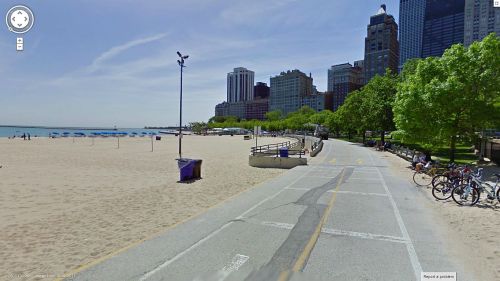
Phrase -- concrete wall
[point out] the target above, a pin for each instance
(317, 150)
(276, 162)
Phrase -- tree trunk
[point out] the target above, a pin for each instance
(453, 145)
(382, 136)
(364, 137)
(349, 135)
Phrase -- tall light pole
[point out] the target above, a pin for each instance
(181, 64)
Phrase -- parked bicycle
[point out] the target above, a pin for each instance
(468, 194)
(443, 184)
(452, 172)
(423, 175)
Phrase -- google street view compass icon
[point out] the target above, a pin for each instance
(20, 19)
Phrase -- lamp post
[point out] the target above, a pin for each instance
(181, 64)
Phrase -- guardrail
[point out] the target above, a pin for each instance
(403, 152)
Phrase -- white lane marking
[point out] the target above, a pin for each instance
(320, 177)
(417, 268)
(364, 235)
(234, 265)
(215, 232)
(298, 188)
(221, 275)
(179, 255)
(359, 193)
(278, 224)
(332, 231)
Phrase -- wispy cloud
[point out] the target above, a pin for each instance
(241, 12)
(115, 51)
(128, 73)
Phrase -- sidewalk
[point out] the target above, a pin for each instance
(476, 229)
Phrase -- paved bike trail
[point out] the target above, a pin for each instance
(345, 216)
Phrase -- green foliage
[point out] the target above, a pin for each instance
(275, 122)
(298, 119)
(369, 108)
(198, 127)
(321, 117)
(443, 99)
(222, 119)
(378, 98)
(351, 116)
(274, 115)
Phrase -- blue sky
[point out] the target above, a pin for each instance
(113, 62)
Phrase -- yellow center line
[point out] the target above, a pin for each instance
(284, 275)
(299, 264)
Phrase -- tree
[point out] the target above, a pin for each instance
(444, 98)
(198, 127)
(333, 123)
(351, 116)
(378, 99)
(321, 117)
(296, 120)
(222, 119)
(274, 115)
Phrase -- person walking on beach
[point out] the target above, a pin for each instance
(24, 136)
(29, 136)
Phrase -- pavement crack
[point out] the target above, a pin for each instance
(288, 253)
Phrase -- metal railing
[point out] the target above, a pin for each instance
(274, 149)
(402, 151)
(265, 149)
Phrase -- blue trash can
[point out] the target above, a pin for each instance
(186, 167)
(283, 151)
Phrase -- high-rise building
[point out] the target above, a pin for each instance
(288, 90)
(261, 91)
(411, 28)
(343, 79)
(481, 18)
(381, 45)
(443, 26)
(236, 109)
(315, 101)
(361, 65)
(257, 109)
(240, 85)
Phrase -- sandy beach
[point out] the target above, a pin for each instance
(64, 204)
(473, 232)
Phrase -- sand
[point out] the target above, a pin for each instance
(473, 232)
(64, 204)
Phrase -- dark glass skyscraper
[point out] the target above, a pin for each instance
(381, 45)
(443, 26)
(481, 18)
(411, 27)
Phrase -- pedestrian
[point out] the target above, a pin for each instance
(415, 160)
(24, 136)
(29, 136)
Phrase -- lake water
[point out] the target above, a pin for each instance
(44, 132)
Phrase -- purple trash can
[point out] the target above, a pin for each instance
(186, 167)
